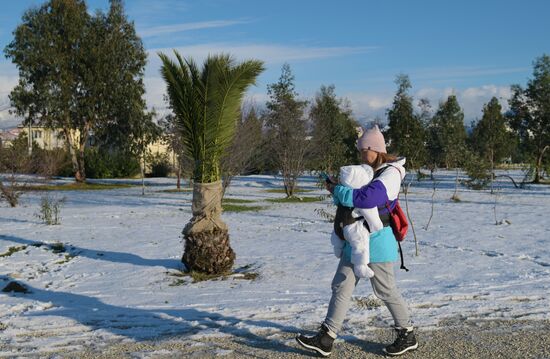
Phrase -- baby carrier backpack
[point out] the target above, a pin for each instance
(395, 218)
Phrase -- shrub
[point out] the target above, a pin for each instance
(478, 172)
(160, 165)
(55, 162)
(102, 163)
(50, 209)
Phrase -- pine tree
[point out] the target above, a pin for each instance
(448, 134)
(490, 139)
(287, 130)
(448, 137)
(334, 135)
(530, 113)
(406, 133)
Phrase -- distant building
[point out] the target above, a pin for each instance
(45, 138)
(49, 139)
(7, 136)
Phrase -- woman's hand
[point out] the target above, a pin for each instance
(330, 185)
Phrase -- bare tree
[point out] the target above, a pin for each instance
(239, 157)
(434, 184)
(183, 165)
(406, 192)
(50, 162)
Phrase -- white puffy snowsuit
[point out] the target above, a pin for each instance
(356, 234)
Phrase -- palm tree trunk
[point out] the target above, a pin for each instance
(207, 247)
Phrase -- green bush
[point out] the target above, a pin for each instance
(160, 165)
(478, 171)
(50, 209)
(110, 163)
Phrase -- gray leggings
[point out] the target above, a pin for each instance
(383, 285)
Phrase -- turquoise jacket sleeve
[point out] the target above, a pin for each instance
(343, 195)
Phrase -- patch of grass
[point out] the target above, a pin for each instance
(3, 326)
(295, 199)
(78, 187)
(227, 207)
(57, 247)
(68, 258)
(201, 277)
(177, 283)
(196, 277)
(237, 200)
(281, 190)
(248, 276)
(175, 190)
(177, 274)
(12, 250)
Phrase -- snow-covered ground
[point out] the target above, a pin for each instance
(117, 278)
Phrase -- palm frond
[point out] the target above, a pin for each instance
(207, 105)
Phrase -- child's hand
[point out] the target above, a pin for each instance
(330, 186)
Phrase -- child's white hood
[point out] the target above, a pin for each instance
(356, 176)
(399, 164)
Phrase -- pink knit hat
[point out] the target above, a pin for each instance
(372, 140)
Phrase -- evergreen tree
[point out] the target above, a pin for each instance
(334, 135)
(489, 138)
(406, 133)
(530, 113)
(287, 130)
(448, 134)
(448, 137)
(78, 72)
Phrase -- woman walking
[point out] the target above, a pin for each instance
(384, 189)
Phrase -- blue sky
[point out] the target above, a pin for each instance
(474, 49)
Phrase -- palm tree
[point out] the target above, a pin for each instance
(207, 105)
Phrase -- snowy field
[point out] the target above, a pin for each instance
(116, 277)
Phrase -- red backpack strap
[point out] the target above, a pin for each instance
(398, 242)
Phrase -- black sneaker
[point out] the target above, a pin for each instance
(404, 342)
(321, 342)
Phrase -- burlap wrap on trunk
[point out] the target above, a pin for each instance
(207, 208)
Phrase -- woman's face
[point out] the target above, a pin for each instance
(369, 157)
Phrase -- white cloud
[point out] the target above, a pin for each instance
(460, 72)
(470, 99)
(269, 53)
(174, 28)
(7, 83)
(155, 88)
(367, 106)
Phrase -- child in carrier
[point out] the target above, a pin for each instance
(355, 225)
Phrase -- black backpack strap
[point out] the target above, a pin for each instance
(378, 173)
(401, 255)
